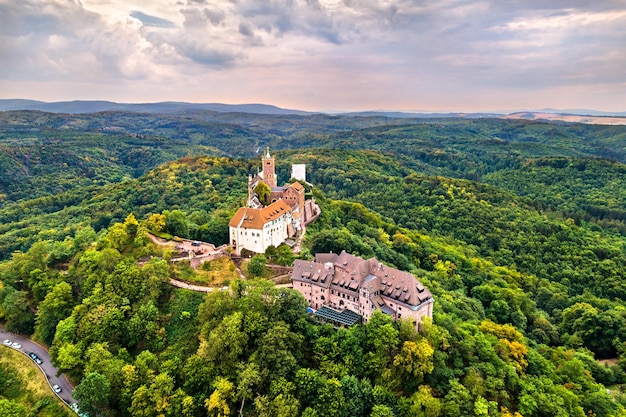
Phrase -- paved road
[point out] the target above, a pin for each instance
(47, 368)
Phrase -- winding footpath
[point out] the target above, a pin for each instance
(192, 287)
(46, 367)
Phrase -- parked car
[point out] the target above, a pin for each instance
(36, 358)
(16, 345)
(56, 388)
(6, 342)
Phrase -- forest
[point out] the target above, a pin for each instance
(516, 227)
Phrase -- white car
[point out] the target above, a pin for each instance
(56, 388)
(16, 345)
(6, 342)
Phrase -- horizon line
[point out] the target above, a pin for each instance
(566, 111)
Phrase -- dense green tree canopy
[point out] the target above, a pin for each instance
(527, 272)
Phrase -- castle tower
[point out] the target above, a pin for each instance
(269, 175)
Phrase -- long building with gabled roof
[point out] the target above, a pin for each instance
(344, 289)
(255, 229)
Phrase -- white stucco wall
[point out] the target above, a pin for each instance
(258, 240)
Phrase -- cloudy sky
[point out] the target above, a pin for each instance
(443, 55)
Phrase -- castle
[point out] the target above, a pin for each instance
(256, 226)
(341, 289)
(345, 289)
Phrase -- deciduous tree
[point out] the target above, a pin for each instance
(55, 307)
(256, 266)
(93, 394)
(219, 403)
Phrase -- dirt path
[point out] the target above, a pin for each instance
(192, 287)
(195, 247)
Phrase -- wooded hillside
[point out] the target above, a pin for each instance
(517, 228)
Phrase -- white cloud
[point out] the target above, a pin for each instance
(317, 52)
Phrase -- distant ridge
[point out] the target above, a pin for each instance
(582, 112)
(80, 106)
(616, 119)
(94, 106)
(425, 115)
(165, 107)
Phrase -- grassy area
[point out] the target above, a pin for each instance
(217, 273)
(162, 235)
(22, 383)
(267, 274)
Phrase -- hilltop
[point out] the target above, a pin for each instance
(516, 227)
(510, 282)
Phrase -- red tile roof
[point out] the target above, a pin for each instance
(256, 218)
(296, 185)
